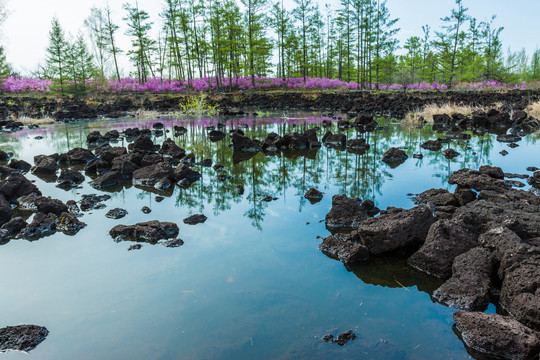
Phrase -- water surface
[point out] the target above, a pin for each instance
(250, 283)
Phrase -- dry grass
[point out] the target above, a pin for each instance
(33, 121)
(147, 114)
(426, 114)
(534, 110)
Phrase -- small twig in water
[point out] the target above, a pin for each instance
(403, 286)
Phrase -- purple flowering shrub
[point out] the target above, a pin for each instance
(20, 85)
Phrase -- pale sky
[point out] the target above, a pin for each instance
(25, 32)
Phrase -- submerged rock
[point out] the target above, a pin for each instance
(243, 143)
(497, 335)
(108, 180)
(172, 243)
(152, 174)
(135, 247)
(6, 212)
(433, 145)
(22, 337)
(93, 201)
(69, 224)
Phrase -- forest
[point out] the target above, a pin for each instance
(227, 45)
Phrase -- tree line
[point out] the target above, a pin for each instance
(226, 40)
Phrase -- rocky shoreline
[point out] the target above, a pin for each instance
(389, 104)
(483, 240)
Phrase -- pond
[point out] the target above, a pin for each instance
(250, 282)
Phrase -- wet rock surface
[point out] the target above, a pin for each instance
(22, 337)
(116, 213)
(470, 284)
(497, 335)
(150, 231)
(345, 248)
(313, 195)
(347, 213)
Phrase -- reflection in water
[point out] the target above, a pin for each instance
(250, 281)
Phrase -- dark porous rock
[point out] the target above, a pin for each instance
(14, 226)
(476, 180)
(20, 165)
(4, 156)
(534, 180)
(313, 195)
(163, 184)
(108, 180)
(22, 337)
(395, 229)
(344, 338)
(514, 183)
(6, 212)
(95, 138)
(433, 145)
(497, 335)
(69, 224)
(112, 135)
(499, 239)
(513, 145)
(363, 120)
(150, 175)
(97, 167)
(450, 153)
(436, 197)
(503, 153)
(394, 157)
(73, 208)
(146, 210)
(358, 144)
(45, 166)
(142, 143)
(345, 247)
(42, 225)
(151, 159)
(469, 286)
(185, 172)
(195, 219)
(16, 186)
(517, 176)
(172, 243)
(170, 149)
(93, 202)
(346, 213)
(328, 338)
(243, 143)
(216, 135)
(492, 171)
(334, 140)
(69, 178)
(135, 247)
(418, 156)
(79, 156)
(445, 240)
(111, 153)
(189, 159)
(47, 205)
(125, 167)
(532, 168)
(520, 291)
(442, 119)
(508, 138)
(150, 231)
(116, 213)
(6, 170)
(272, 142)
(218, 167)
(159, 199)
(457, 135)
(158, 126)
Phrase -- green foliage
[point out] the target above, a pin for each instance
(5, 68)
(197, 106)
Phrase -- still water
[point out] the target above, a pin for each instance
(249, 283)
